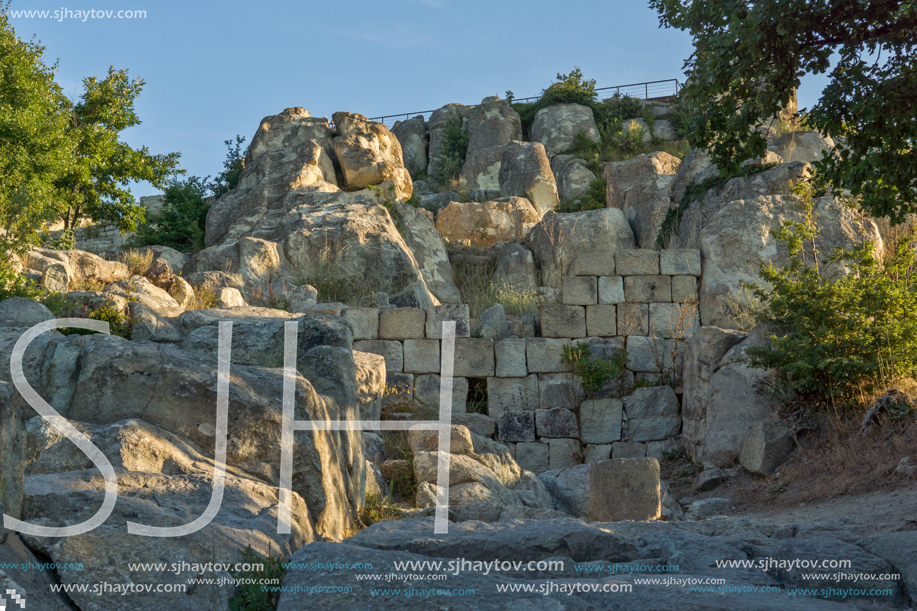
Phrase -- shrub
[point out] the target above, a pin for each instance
(453, 152)
(593, 199)
(835, 338)
(593, 372)
(251, 595)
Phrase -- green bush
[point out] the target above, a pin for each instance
(251, 595)
(181, 223)
(593, 372)
(593, 199)
(835, 339)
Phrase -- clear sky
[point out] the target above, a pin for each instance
(214, 69)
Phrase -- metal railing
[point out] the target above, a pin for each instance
(650, 90)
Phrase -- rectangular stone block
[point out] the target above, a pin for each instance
(625, 489)
(659, 449)
(654, 354)
(580, 290)
(564, 453)
(545, 355)
(559, 390)
(680, 262)
(601, 321)
(426, 393)
(401, 323)
(628, 449)
(510, 356)
(673, 320)
(516, 426)
(600, 420)
(652, 414)
(648, 289)
(557, 422)
(365, 322)
(639, 262)
(392, 351)
(595, 453)
(611, 289)
(436, 315)
(474, 357)
(533, 456)
(684, 288)
(421, 355)
(562, 320)
(511, 394)
(633, 318)
(594, 263)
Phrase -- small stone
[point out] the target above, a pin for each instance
(624, 489)
(708, 508)
(711, 478)
(555, 423)
(401, 323)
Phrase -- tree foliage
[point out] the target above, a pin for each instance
(750, 56)
(97, 185)
(181, 223)
(835, 337)
(33, 147)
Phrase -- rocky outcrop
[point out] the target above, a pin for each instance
(641, 187)
(526, 172)
(558, 238)
(426, 244)
(802, 146)
(484, 224)
(516, 268)
(289, 200)
(492, 125)
(572, 176)
(556, 126)
(12, 459)
(435, 128)
(412, 134)
(739, 238)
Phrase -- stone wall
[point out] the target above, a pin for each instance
(644, 300)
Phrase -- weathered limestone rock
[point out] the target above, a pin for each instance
(484, 224)
(555, 126)
(492, 125)
(401, 323)
(802, 146)
(421, 356)
(516, 268)
(363, 321)
(412, 135)
(765, 447)
(533, 456)
(545, 355)
(56, 278)
(13, 457)
(559, 321)
(624, 489)
(739, 238)
(652, 414)
(369, 154)
(392, 351)
(370, 377)
(580, 290)
(526, 172)
(510, 358)
(426, 394)
(639, 262)
(557, 422)
(601, 420)
(641, 188)
(516, 426)
(511, 394)
(457, 313)
(564, 453)
(426, 244)
(479, 424)
(572, 176)
(569, 489)
(559, 238)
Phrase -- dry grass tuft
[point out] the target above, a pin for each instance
(138, 260)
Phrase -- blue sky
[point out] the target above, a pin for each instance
(213, 70)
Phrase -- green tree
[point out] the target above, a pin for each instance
(181, 224)
(97, 185)
(749, 56)
(33, 145)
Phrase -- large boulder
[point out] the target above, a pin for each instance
(412, 134)
(369, 154)
(572, 176)
(556, 126)
(492, 125)
(526, 172)
(508, 219)
(426, 243)
(641, 187)
(436, 125)
(739, 239)
(558, 238)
